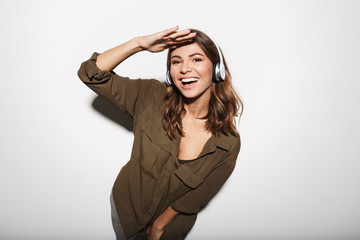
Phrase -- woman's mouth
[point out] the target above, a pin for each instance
(188, 83)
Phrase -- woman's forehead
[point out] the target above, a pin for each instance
(187, 50)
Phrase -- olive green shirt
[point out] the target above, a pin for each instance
(154, 178)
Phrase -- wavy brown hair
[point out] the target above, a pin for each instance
(224, 104)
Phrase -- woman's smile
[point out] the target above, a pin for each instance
(189, 83)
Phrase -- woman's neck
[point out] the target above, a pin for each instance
(197, 108)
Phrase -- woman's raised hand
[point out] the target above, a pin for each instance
(156, 42)
(165, 39)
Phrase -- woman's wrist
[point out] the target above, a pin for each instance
(158, 225)
(137, 44)
(133, 46)
(164, 219)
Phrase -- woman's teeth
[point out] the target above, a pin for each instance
(188, 80)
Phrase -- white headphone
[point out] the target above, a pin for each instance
(218, 74)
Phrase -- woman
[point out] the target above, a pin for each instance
(185, 141)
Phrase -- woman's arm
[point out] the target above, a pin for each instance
(111, 58)
(156, 42)
(97, 72)
(155, 231)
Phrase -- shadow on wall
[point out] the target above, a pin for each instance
(113, 113)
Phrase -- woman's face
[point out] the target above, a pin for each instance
(191, 71)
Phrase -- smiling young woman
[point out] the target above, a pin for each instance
(221, 102)
(185, 140)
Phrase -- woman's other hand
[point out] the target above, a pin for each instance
(165, 39)
(154, 232)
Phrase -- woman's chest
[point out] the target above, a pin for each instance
(192, 144)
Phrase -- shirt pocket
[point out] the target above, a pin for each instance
(152, 156)
(182, 181)
(189, 178)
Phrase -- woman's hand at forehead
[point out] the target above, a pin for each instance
(165, 39)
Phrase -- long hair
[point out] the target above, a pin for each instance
(224, 104)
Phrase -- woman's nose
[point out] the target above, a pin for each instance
(185, 67)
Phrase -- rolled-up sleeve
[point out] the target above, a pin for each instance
(194, 200)
(127, 94)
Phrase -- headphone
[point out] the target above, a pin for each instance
(218, 74)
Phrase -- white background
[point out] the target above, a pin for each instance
(294, 63)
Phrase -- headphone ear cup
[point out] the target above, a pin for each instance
(219, 69)
(222, 71)
(216, 73)
(168, 78)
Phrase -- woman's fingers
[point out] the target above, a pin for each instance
(173, 43)
(189, 36)
(169, 31)
(173, 35)
(168, 38)
(178, 34)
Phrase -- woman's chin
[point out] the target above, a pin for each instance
(192, 96)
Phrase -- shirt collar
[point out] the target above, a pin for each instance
(220, 140)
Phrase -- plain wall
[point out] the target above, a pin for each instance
(294, 63)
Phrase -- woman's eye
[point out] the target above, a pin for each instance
(175, 62)
(197, 60)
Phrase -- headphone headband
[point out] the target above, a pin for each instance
(220, 72)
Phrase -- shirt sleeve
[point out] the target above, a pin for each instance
(127, 94)
(194, 200)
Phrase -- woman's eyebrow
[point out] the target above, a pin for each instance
(194, 54)
(191, 55)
